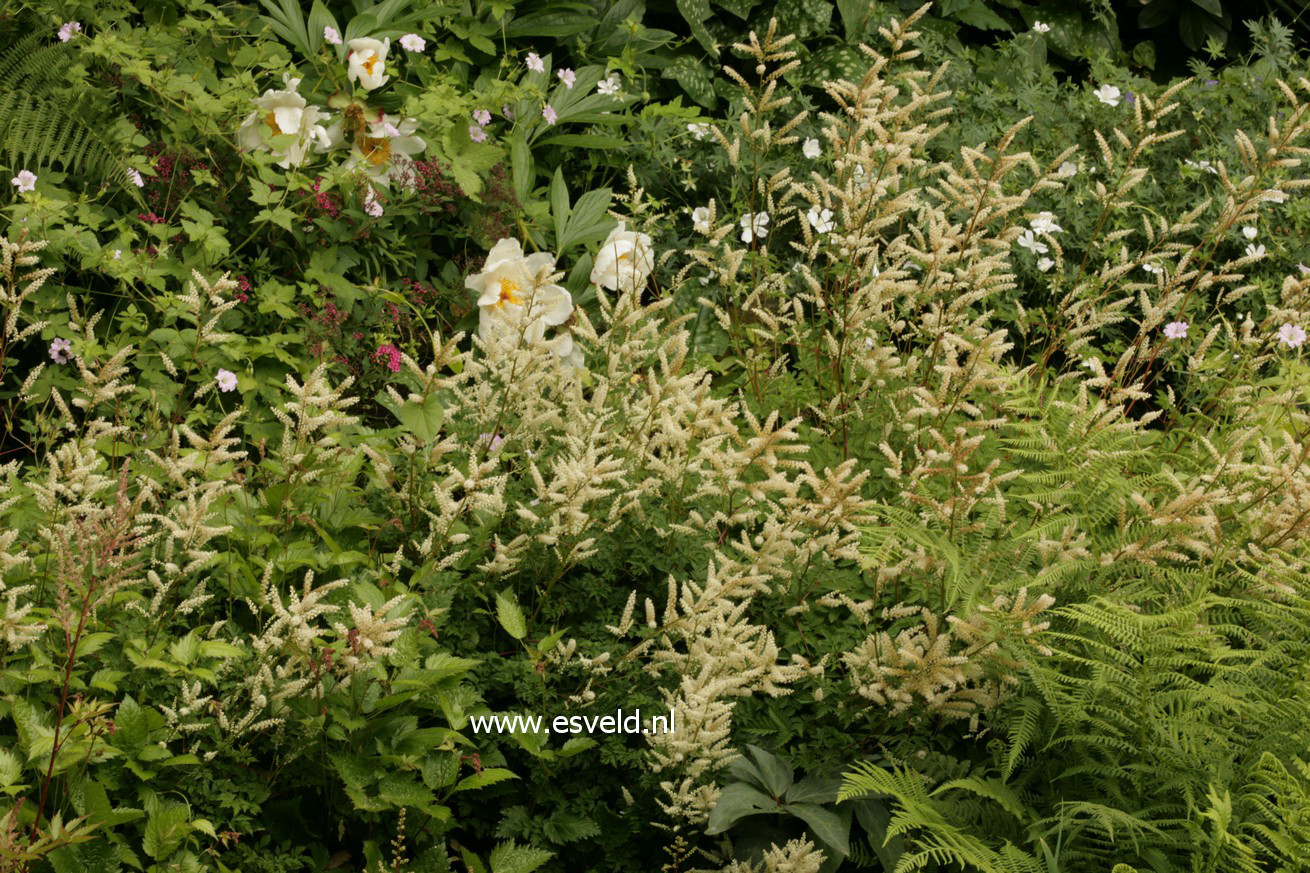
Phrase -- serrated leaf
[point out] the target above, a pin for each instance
(489, 776)
(512, 858)
(566, 827)
(510, 615)
(402, 789)
(165, 830)
(354, 770)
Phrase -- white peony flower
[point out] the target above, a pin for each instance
(367, 62)
(811, 148)
(385, 141)
(754, 226)
(1108, 94)
(284, 113)
(700, 219)
(624, 260)
(507, 302)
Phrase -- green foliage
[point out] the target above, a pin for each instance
(869, 492)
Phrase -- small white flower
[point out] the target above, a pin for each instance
(1067, 170)
(1108, 94)
(1250, 232)
(1032, 243)
(700, 219)
(1041, 28)
(1201, 165)
(1153, 269)
(135, 176)
(1045, 223)
(820, 219)
(227, 381)
(1044, 264)
(1176, 330)
(24, 181)
(535, 63)
(568, 77)
(1092, 363)
(69, 28)
(371, 204)
(609, 87)
(1254, 251)
(754, 226)
(118, 253)
(699, 130)
(412, 42)
(811, 148)
(330, 35)
(1291, 335)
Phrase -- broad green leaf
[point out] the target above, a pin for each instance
(825, 825)
(736, 802)
(776, 773)
(694, 78)
(423, 418)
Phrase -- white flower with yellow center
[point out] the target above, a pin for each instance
(367, 62)
(509, 304)
(281, 114)
(624, 260)
(384, 147)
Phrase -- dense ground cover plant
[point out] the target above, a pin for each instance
(939, 466)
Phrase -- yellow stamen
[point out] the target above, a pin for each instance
(372, 62)
(376, 149)
(508, 293)
(271, 121)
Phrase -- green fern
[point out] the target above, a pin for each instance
(42, 127)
